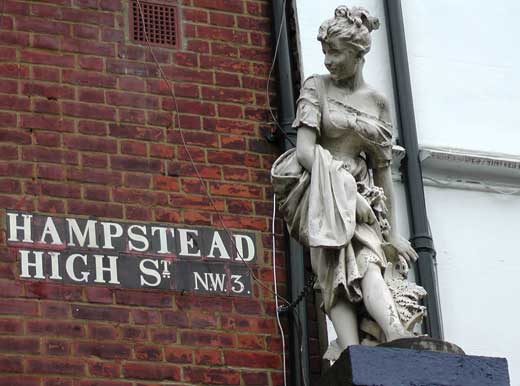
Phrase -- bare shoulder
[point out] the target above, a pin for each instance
(381, 101)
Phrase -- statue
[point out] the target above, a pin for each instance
(335, 193)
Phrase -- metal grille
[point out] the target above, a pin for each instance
(160, 22)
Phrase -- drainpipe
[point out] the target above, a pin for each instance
(421, 237)
(299, 351)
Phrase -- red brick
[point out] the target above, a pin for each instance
(133, 148)
(19, 307)
(84, 110)
(111, 5)
(19, 345)
(46, 73)
(175, 318)
(98, 209)
(210, 357)
(96, 161)
(50, 205)
(167, 215)
(91, 63)
(165, 336)
(96, 193)
(56, 347)
(141, 298)
(15, 38)
(45, 290)
(186, 169)
(55, 310)
(138, 213)
(50, 172)
(12, 380)
(148, 353)
(61, 190)
(56, 366)
(137, 132)
(151, 371)
(12, 102)
(235, 190)
(86, 16)
(221, 5)
(236, 174)
(11, 326)
(85, 31)
(104, 369)
(92, 96)
(10, 186)
(178, 354)
(166, 183)
(200, 46)
(57, 382)
(229, 126)
(10, 364)
(255, 379)
(100, 313)
(196, 338)
(253, 359)
(103, 177)
(41, 25)
(104, 351)
(212, 376)
(100, 295)
(146, 317)
(55, 328)
(44, 10)
(88, 143)
(47, 139)
(91, 79)
(131, 68)
(136, 164)
(132, 100)
(102, 332)
(46, 123)
(137, 180)
(135, 333)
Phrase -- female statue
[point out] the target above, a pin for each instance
(335, 189)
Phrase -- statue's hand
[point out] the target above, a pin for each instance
(364, 213)
(404, 248)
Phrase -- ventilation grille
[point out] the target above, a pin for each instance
(160, 22)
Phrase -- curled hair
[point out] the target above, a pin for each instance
(353, 25)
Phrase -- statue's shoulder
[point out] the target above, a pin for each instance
(380, 100)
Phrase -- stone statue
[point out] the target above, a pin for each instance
(335, 193)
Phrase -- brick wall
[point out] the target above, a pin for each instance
(86, 130)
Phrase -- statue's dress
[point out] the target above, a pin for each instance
(320, 207)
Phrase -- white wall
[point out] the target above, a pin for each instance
(464, 65)
(476, 236)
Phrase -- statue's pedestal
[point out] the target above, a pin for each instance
(383, 366)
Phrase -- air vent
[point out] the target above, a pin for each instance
(160, 21)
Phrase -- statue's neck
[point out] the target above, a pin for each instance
(355, 82)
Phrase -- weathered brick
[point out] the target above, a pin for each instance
(151, 371)
(33, 24)
(56, 366)
(19, 345)
(104, 351)
(212, 376)
(88, 143)
(136, 164)
(102, 332)
(253, 359)
(148, 353)
(98, 209)
(105, 369)
(11, 326)
(209, 357)
(18, 307)
(137, 132)
(17, 380)
(56, 347)
(55, 328)
(113, 314)
(46, 290)
(141, 298)
(10, 364)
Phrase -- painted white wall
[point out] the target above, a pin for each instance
(478, 262)
(464, 66)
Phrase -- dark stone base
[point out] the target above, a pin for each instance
(383, 366)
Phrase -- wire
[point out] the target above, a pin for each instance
(273, 235)
(201, 180)
(282, 22)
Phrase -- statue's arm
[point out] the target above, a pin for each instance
(305, 144)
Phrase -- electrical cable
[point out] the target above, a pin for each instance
(185, 146)
(282, 334)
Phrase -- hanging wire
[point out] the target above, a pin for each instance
(192, 162)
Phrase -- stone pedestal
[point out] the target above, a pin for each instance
(383, 366)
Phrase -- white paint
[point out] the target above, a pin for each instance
(464, 71)
(69, 268)
(25, 228)
(25, 264)
(239, 243)
(186, 244)
(50, 229)
(163, 241)
(111, 269)
(218, 244)
(89, 231)
(476, 237)
(111, 230)
(150, 272)
(136, 237)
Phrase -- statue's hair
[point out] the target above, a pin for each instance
(352, 25)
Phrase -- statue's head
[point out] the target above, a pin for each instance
(346, 39)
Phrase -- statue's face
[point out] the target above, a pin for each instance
(341, 59)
